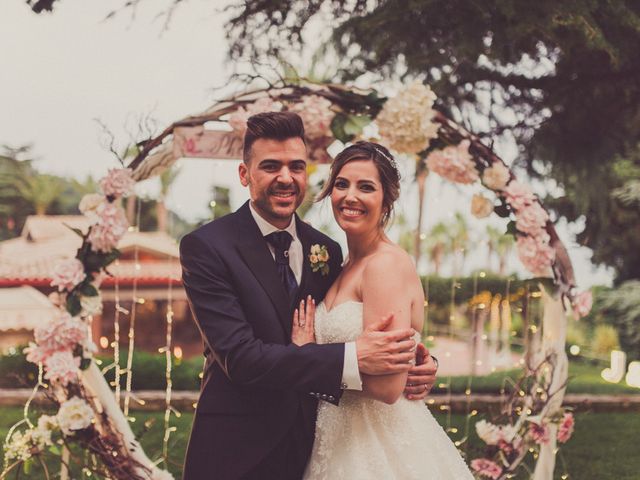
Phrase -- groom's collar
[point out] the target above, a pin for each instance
(266, 228)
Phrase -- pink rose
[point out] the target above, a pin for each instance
(539, 433)
(112, 225)
(238, 119)
(454, 163)
(62, 333)
(531, 218)
(518, 195)
(67, 274)
(486, 468)
(565, 430)
(535, 252)
(36, 354)
(61, 367)
(118, 183)
(316, 115)
(582, 304)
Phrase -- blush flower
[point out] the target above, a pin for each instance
(89, 205)
(74, 414)
(67, 274)
(454, 163)
(316, 115)
(496, 176)
(535, 253)
(582, 304)
(486, 468)
(488, 432)
(565, 430)
(531, 218)
(481, 206)
(406, 121)
(238, 119)
(519, 195)
(539, 433)
(118, 182)
(62, 333)
(61, 367)
(112, 225)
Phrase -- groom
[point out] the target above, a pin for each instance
(243, 274)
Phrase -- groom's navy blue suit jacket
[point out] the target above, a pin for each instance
(256, 384)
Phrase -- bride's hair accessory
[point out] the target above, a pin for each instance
(389, 158)
(319, 259)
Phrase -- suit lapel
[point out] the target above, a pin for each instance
(305, 236)
(254, 250)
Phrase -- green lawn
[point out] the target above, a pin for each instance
(604, 446)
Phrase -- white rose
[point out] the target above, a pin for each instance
(496, 176)
(315, 249)
(488, 432)
(74, 414)
(91, 305)
(508, 432)
(89, 205)
(481, 207)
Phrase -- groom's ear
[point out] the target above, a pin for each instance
(243, 171)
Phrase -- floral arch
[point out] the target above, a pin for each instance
(532, 420)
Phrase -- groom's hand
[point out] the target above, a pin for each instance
(422, 377)
(383, 353)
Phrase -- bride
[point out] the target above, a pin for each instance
(376, 433)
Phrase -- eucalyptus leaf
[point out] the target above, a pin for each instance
(73, 305)
(355, 124)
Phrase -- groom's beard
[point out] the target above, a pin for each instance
(279, 202)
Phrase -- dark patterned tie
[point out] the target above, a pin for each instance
(281, 241)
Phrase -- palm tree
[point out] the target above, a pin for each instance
(166, 180)
(503, 249)
(40, 190)
(438, 244)
(421, 180)
(459, 241)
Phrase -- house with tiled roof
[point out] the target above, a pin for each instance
(148, 268)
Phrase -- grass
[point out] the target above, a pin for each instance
(604, 446)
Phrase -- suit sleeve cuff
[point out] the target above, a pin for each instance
(350, 374)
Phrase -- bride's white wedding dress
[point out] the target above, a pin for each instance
(366, 439)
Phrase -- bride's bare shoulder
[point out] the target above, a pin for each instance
(391, 261)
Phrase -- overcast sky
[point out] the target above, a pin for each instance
(63, 71)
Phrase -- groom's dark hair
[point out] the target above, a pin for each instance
(272, 125)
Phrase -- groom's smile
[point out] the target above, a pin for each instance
(276, 175)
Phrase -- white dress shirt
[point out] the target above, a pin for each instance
(350, 374)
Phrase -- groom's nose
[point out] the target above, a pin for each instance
(284, 176)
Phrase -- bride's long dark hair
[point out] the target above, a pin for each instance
(387, 169)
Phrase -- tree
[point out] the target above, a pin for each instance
(166, 180)
(561, 78)
(437, 244)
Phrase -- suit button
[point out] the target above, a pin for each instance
(312, 394)
(344, 386)
(331, 398)
(323, 396)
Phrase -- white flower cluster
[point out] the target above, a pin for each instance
(406, 120)
(22, 445)
(74, 414)
(492, 434)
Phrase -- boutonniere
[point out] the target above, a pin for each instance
(319, 258)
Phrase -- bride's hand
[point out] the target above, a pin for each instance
(303, 319)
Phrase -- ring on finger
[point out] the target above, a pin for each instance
(301, 324)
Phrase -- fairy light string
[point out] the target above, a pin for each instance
(132, 317)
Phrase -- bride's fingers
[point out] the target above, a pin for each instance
(296, 319)
(303, 315)
(311, 313)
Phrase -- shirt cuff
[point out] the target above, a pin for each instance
(350, 374)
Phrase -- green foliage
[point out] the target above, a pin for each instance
(605, 339)
(622, 308)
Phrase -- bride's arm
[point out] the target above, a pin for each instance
(387, 287)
